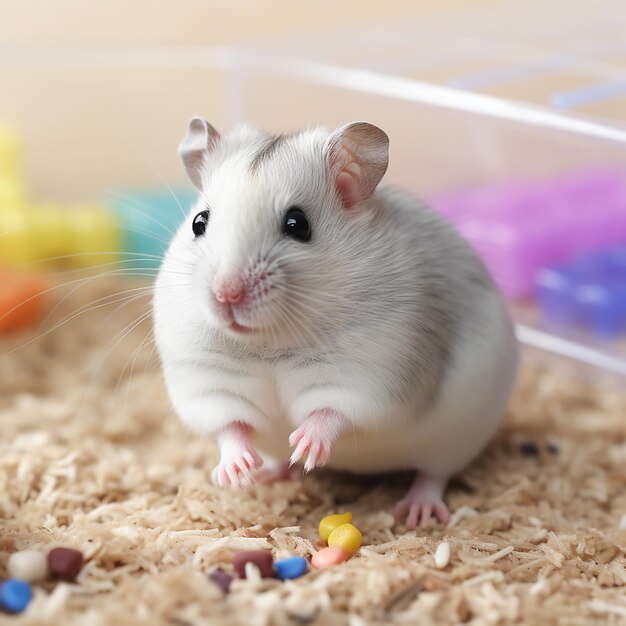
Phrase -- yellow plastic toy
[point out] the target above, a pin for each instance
(12, 188)
(82, 235)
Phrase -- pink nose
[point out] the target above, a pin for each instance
(230, 291)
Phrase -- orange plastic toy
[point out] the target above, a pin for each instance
(21, 299)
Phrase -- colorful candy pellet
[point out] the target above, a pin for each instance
(29, 565)
(221, 579)
(442, 555)
(292, 567)
(260, 558)
(327, 557)
(15, 595)
(330, 522)
(347, 536)
(65, 563)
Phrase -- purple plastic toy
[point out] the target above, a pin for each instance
(520, 228)
(589, 292)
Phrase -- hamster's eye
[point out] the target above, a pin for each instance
(199, 223)
(296, 225)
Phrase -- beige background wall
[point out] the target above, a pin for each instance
(86, 128)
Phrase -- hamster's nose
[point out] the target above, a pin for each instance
(230, 290)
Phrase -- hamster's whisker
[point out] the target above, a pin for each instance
(138, 350)
(131, 205)
(82, 281)
(135, 257)
(291, 315)
(151, 355)
(69, 318)
(157, 172)
(146, 288)
(120, 337)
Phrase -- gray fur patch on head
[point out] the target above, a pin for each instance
(268, 148)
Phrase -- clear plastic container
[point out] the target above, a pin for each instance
(474, 97)
(471, 99)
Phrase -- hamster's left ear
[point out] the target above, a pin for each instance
(200, 140)
(358, 154)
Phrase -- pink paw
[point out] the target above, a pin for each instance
(315, 438)
(424, 498)
(311, 441)
(235, 469)
(420, 511)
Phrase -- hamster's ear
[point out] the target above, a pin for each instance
(358, 154)
(200, 140)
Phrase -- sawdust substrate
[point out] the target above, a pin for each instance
(92, 457)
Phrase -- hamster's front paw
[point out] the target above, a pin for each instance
(238, 458)
(315, 438)
(236, 471)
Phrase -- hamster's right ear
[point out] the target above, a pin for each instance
(358, 155)
(200, 140)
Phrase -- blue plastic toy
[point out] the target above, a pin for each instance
(293, 567)
(148, 219)
(590, 292)
(15, 595)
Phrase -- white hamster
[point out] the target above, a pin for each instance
(299, 305)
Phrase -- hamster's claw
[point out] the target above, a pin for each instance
(424, 498)
(314, 449)
(236, 470)
(315, 438)
(419, 513)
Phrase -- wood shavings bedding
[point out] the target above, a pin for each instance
(92, 457)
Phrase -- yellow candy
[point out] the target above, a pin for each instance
(347, 536)
(330, 522)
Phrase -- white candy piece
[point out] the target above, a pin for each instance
(442, 555)
(29, 565)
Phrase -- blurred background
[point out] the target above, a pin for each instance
(508, 117)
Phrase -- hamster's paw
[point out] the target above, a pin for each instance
(237, 470)
(238, 458)
(315, 438)
(423, 500)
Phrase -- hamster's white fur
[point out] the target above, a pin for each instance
(386, 318)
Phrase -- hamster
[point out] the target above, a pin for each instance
(304, 313)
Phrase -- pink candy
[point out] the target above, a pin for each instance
(327, 557)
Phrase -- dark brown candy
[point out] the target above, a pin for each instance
(261, 558)
(64, 563)
(221, 579)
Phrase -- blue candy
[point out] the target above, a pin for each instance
(293, 567)
(15, 595)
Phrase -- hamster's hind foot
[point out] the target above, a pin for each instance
(423, 500)
(238, 458)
